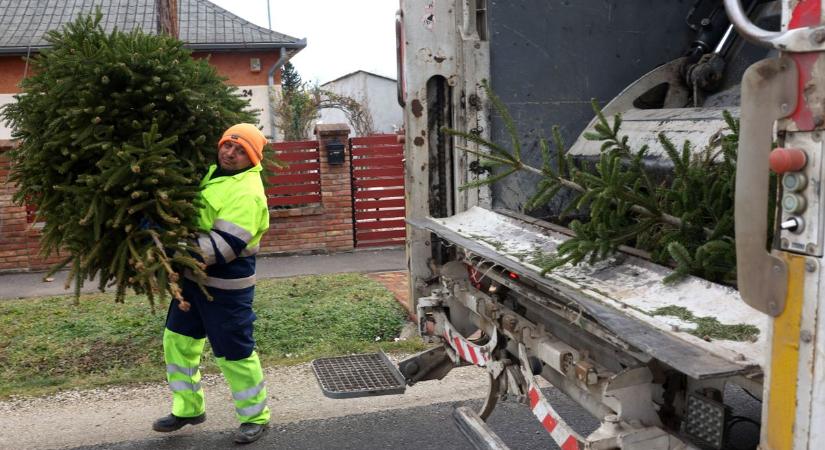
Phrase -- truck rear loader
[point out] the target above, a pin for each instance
(602, 333)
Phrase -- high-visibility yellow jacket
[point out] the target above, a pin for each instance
(233, 218)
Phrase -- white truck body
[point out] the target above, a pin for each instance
(594, 331)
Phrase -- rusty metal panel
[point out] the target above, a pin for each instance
(444, 56)
(549, 58)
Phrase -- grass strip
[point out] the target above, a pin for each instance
(48, 344)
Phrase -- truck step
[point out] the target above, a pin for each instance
(480, 435)
(362, 375)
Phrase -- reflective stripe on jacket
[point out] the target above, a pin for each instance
(233, 218)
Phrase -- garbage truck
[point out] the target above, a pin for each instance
(596, 332)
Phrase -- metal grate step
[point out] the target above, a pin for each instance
(361, 375)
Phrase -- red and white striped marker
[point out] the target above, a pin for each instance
(479, 355)
(564, 436)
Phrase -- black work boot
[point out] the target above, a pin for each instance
(249, 432)
(173, 422)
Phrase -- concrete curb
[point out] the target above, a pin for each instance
(31, 284)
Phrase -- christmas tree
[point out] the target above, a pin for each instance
(290, 79)
(115, 131)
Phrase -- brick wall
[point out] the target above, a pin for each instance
(324, 227)
(19, 240)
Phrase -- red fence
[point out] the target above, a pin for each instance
(315, 206)
(298, 184)
(378, 191)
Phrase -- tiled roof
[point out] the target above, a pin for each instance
(203, 25)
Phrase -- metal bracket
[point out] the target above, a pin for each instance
(432, 364)
(479, 355)
(797, 40)
(629, 394)
(424, 308)
(768, 94)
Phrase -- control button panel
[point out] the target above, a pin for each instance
(799, 164)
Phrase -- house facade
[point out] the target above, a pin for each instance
(248, 55)
(376, 92)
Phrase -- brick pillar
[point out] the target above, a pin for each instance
(336, 188)
(14, 240)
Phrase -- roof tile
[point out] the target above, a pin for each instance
(202, 24)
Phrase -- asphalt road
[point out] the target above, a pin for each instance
(421, 428)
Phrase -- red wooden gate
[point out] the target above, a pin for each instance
(378, 191)
(298, 184)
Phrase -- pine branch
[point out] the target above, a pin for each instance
(664, 218)
(509, 124)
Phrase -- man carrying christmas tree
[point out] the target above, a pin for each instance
(233, 217)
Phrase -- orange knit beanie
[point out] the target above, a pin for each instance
(250, 138)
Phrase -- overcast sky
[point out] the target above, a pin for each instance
(342, 35)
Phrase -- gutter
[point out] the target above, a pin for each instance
(22, 50)
(270, 79)
(299, 45)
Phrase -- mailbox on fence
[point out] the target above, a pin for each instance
(335, 151)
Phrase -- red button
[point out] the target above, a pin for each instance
(787, 160)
